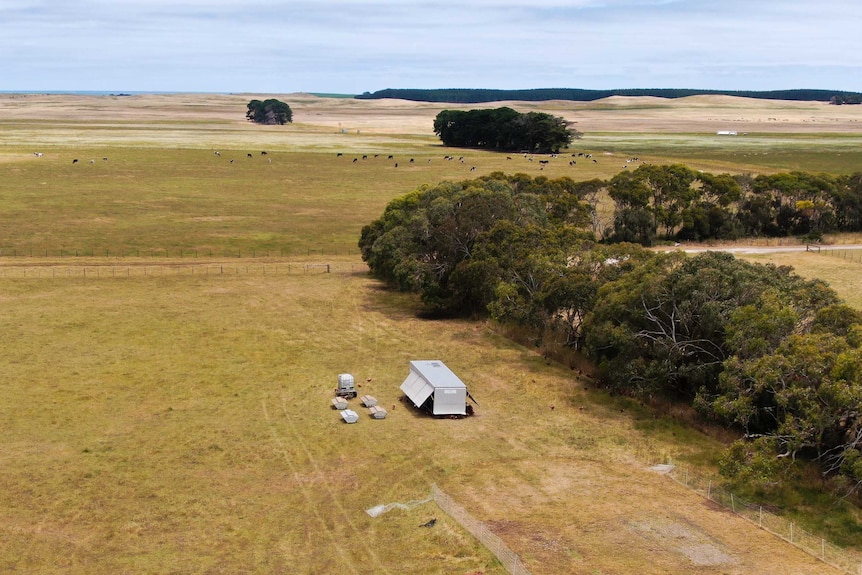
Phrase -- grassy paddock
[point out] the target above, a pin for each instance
(841, 269)
(181, 422)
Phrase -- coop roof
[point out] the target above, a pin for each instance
(427, 375)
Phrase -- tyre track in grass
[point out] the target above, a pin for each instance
(313, 510)
(334, 499)
(370, 332)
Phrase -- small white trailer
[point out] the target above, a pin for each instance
(432, 386)
(345, 386)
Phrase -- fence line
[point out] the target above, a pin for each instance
(169, 253)
(158, 270)
(508, 558)
(818, 547)
(854, 256)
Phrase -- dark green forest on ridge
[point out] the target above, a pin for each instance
(474, 96)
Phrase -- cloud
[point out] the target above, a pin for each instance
(350, 45)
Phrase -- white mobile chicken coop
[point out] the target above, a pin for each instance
(432, 386)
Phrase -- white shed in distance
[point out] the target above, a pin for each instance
(431, 385)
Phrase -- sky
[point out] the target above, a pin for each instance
(354, 46)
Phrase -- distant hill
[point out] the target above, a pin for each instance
(470, 96)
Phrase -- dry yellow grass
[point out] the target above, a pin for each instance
(181, 423)
(841, 269)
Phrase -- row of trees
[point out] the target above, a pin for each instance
(675, 202)
(755, 347)
(504, 129)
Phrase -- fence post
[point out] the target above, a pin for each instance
(732, 505)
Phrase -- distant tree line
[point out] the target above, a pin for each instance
(504, 129)
(272, 112)
(756, 347)
(474, 96)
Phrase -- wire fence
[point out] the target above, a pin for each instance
(508, 558)
(848, 561)
(181, 253)
(158, 270)
(854, 256)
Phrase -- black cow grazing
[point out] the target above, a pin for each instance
(263, 152)
(595, 161)
(217, 153)
(389, 158)
(75, 161)
(249, 155)
(473, 169)
(365, 157)
(231, 161)
(104, 159)
(396, 164)
(338, 155)
(411, 160)
(355, 160)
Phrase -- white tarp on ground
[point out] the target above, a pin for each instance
(381, 509)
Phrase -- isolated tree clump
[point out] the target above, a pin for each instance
(270, 112)
(505, 130)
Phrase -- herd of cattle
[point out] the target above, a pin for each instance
(544, 161)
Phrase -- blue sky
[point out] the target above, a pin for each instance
(352, 46)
